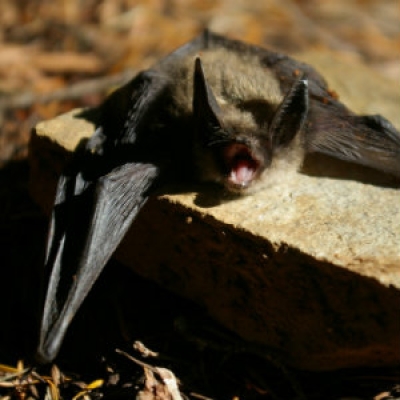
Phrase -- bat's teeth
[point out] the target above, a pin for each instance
(241, 164)
(242, 173)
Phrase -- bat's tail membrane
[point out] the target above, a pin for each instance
(88, 222)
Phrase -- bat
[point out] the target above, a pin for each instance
(214, 110)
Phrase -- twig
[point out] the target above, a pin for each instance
(199, 396)
(136, 361)
(75, 91)
(169, 389)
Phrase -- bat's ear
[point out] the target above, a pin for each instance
(290, 115)
(205, 106)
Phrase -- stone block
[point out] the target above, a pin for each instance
(308, 269)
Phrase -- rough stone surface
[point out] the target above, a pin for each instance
(308, 270)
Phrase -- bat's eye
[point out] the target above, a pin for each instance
(242, 167)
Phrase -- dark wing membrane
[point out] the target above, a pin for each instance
(80, 245)
(98, 197)
(367, 140)
(130, 107)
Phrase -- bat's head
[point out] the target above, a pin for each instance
(238, 145)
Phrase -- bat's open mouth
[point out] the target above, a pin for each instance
(242, 167)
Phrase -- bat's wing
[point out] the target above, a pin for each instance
(367, 140)
(89, 221)
(97, 198)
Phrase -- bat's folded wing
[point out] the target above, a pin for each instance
(368, 140)
(89, 220)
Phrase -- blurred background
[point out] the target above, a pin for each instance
(47, 45)
(56, 55)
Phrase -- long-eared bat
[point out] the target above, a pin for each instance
(215, 110)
